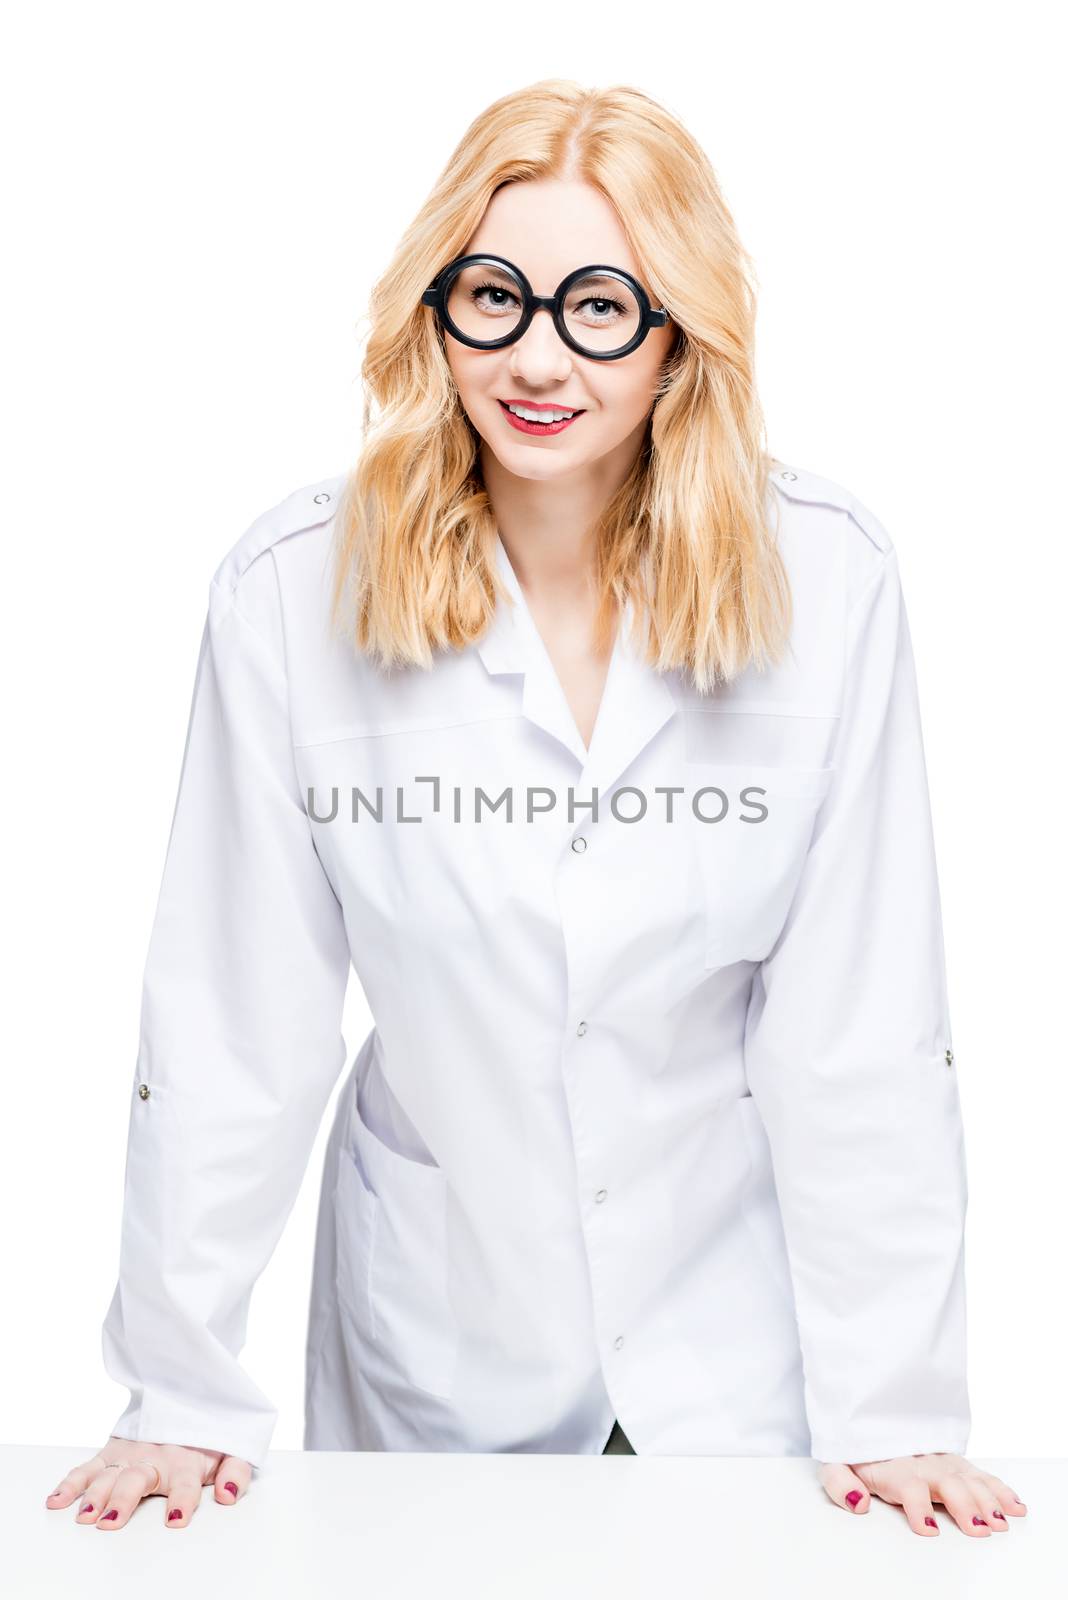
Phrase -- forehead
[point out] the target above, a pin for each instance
(549, 227)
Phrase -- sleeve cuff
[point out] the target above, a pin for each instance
(244, 1437)
(851, 1449)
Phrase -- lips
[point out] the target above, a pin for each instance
(523, 426)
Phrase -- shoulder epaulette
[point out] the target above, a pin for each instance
(305, 508)
(796, 484)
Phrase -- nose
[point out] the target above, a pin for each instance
(540, 355)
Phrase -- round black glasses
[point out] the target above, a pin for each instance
(486, 302)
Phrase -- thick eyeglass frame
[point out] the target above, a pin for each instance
(438, 293)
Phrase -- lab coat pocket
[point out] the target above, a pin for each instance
(400, 1286)
(357, 1214)
(761, 1201)
(752, 826)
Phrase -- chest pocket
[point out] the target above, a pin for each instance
(757, 780)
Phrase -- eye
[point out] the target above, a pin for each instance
(604, 307)
(493, 297)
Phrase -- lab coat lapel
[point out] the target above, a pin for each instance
(513, 644)
(635, 703)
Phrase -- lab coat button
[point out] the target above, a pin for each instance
(143, 1090)
(579, 844)
(789, 476)
(581, 1029)
(949, 1058)
(619, 1342)
(321, 499)
(602, 1194)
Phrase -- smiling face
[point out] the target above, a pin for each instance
(548, 228)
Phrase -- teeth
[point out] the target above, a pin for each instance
(539, 416)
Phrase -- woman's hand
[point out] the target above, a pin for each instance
(108, 1498)
(979, 1503)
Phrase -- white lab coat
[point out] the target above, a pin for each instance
(657, 1120)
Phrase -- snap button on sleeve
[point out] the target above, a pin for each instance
(601, 1195)
(143, 1090)
(619, 1342)
(581, 1029)
(949, 1058)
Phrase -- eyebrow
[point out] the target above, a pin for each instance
(596, 278)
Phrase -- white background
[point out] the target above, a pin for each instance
(199, 199)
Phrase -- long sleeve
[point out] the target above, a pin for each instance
(849, 1060)
(240, 1045)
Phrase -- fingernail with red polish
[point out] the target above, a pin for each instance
(854, 1496)
(981, 1522)
(109, 1516)
(173, 1514)
(930, 1521)
(232, 1488)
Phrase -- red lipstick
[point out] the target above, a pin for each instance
(523, 426)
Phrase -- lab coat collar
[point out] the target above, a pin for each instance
(635, 704)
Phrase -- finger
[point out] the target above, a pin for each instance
(987, 1501)
(1006, 1498)
(916, 1504)
(957, 1497)
(97, 1495)
(124, 1494)
(74, 1483)
(68, 1489)
(232, 1479)
(844, 1487)
(183, 1497)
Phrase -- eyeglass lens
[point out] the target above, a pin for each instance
(601, 313)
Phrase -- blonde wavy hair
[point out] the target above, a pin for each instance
(686, 536)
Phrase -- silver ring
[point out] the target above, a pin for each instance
(122, 1465)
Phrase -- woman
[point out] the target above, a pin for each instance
(593, 745)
